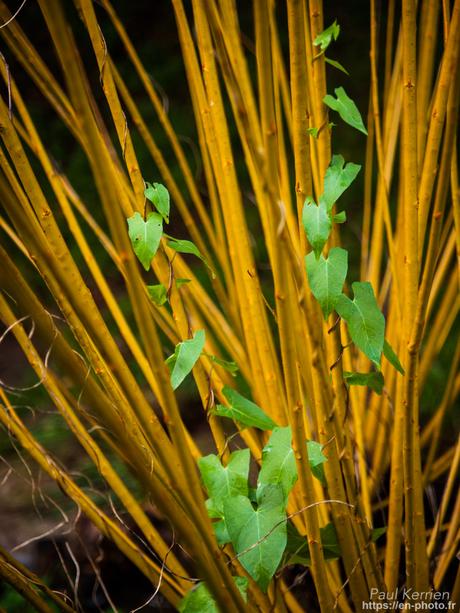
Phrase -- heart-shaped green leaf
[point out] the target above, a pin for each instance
(338, 178)
(184, 358)
(258, 535)
(158, 294)
(159, 197)
(326, 277)
(317, 224)
(224, 482)
(145, 236)
(346, 108)
(366, 323)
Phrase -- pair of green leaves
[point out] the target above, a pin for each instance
(324, 39)
(317, 219)
(256, 527)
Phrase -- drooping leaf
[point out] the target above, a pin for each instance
(326, 277)
(313, 132)
(391, 356)
(145, 236)
(244, 411)
(184, 246)
(338, 178)
(374, 380)
(258, 535)
(324, 39)
(346, 108)
(231, 367)
(184, 358)
(366, 323)
(158, 294)
(278, 463)
(199, 599)
(181, 282)
(223, 482)
(159, 197)
(316, 459)
(317, 224)
(336, 64)
(340, 217)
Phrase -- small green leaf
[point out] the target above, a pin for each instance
(185, 246)
(316, 459)
(317, 224)
(374, 380)
(366, 323)
(313, 132)
(223, 482)
(244, 411)
(199, 599)
(159, 197)
(145, 236)
(325, 38)
(336, 64)
(231, 367)
(338, 178)
(346, 108)
(326, 277)
(184, 358)
(278, 463)
(158, 294)
(258, 535)
(377, 533)
(297, 549)
(181, 282)
(391, 356)
(340, 217)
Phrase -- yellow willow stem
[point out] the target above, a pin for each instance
(447, 494)
(438, 113)
(29, 578)
(107, 526)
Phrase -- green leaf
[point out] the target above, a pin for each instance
(231, 367)
(391, 356)
(317, 224)
(258, 535)
(316, 459)
(184, 358)
(145, 236)
(377, 533)
(159, 197)
(336, 64)
(326, 277)
(313, 132)
(158, 294)
(199, 599)
(297, 549)
(366, 323)
(340, 217)
(185, 246)
(221, 532)
(223, 482)
(330, 542)
(346, 108)
(244, 411)
(325, 38)
(181, 282)
(338, 178)
(278, 463)
(374, 380)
